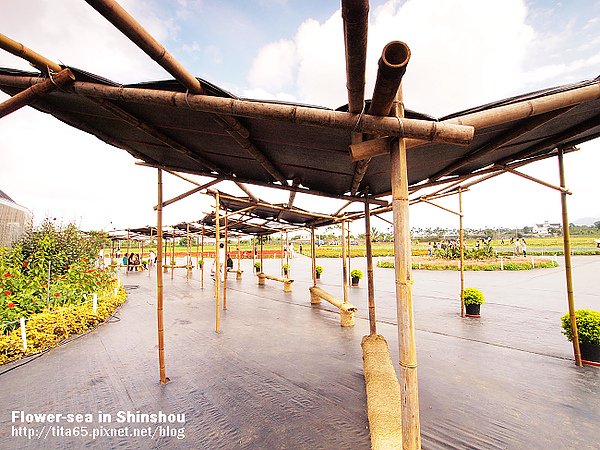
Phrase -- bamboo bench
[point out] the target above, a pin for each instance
(166, 267)
(347, 310)
(238, 273)
(287, 283)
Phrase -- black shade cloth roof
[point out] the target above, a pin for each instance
(317, 157)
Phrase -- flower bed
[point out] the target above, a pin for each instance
(474, 265)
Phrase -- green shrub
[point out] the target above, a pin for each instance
(588, 326)
(473, 296)
(319, 269)
(257, 264)
(49, 328)
(356, 274)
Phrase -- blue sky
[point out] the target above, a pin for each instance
(464, 53)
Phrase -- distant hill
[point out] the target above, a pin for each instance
(587, 221)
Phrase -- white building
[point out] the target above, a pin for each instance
(14, 220)
(544, 228)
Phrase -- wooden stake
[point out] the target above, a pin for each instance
(344, 263)
(462, 253)
(370, 280)
(568, 266)
(159, 286)
(217, 267)
(411, 428)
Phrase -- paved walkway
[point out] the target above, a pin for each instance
(283, 374)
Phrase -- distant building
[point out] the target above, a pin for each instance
(14, 220)
(544, 228)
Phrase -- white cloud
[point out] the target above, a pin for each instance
(273, 68)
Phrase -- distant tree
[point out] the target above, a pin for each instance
(597, 224)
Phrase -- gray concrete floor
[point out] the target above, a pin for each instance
(283, 374)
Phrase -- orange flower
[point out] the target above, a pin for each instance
(57, 294)
(11, 305)
(7, 293)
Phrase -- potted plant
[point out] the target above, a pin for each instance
(473, 300)
(257, 266)
(200, 263)
(356, 276)
(588, 330)
(318, 272)
(285, 269)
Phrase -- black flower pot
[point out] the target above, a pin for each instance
(257, 269)
(472, 310)
(318, 275)
(590, 352)
(355, 281)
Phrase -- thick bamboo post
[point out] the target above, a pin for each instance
(239, 255)
(159, 286)
(225, 266)
(150, 265)
(344, 263)
(349, 253)
(411, 433)
(202, 258)
(567, 252)
(253, 246)
(28, 96)
(128, 251)
(462, 253)
(313, 255)
(287, 253)
(370, 280)
(281, 242)
(217, 267)
(355, 15)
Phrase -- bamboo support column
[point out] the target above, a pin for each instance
(344, 262)
(159, 286)
(202, 258)
(370, 280)
(461, 243)
(128, 251)
(262, 267)
(287, 253)
(313, 255)
(188, 261)
(411, 433)
(349, 254)
(225, 267)
(281, 241)
(567, 252)
(149, 262)
(253, 245)
(239, 255)
(217, 268)
(173, 253)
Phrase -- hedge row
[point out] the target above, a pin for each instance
(48, 329)
(474, 267)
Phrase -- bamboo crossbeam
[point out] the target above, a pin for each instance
(188, 193)
(504, 139)
(247, 191)
(29, 95)
(38, 61)
(302, 115)
(355, 15)
(123, 21)
(521, 110)
(568, 264)
(537, 180)
(424, 200)
(171, 169)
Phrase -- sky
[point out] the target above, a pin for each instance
(464, 53)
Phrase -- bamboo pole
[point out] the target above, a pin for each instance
(149, 265)
(349, 254)
(287, 254)
(282, 252)
(262, 267)
(302, 115)
(188, 261)
(313, 254)
(537, 180)
(355, 14)
(128, 251)
(370, 278)
(462, 253)
(225, 267)
(202, 258)
(35, 59)
(391, 69)
(239, 254)
(568, 266)
(411, 433)
(29, 95)
(159, 286)
(190, 192)
(124, 22)
(172, 253)
(217, 267)
(344, 263)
